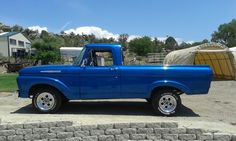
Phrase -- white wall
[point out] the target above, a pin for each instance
(3, 46)
(19, 37)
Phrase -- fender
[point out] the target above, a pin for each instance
(26, 82)
(169, 83)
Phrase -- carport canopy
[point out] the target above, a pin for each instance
(217, 56)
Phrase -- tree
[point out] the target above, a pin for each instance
(123, 38)
(157, 45)
(47, 49)
(4, 28)
(17, 28)
(205, 41)
(170, 43)
(184, 45)
(226, 34)
(141, 46)
(199, 43)
(1, 27)
(30, 34)
(44, 35)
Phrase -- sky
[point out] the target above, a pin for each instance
(186, 20)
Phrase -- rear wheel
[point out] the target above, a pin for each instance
(166, 102)
(47, 100)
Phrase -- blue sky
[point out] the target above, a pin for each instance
(189, 20)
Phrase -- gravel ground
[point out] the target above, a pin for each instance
(216, 111)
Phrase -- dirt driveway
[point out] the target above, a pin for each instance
(217, 110)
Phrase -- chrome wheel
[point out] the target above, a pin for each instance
(167, 104)
(45, 101)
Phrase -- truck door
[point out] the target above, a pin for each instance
(100, 77)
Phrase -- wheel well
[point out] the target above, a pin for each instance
(36, 87)
(176, 90)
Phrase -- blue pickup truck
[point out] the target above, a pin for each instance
(99, 72)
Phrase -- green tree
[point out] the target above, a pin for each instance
(4, 28)
(17, 28)
(47, 49)
(30, 34)
(44, 35)
(158, 45)
(141, 46)
(226, 34)
(199, 43)
(184, 45)
(170, 43)
(1, 27)
(205, 41)
(123, 40)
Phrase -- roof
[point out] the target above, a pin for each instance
(103, 45)
(71, 48)
(7, 34)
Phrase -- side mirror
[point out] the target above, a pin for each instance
(84, 62)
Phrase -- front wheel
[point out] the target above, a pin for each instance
(166, 102)
(47, 100)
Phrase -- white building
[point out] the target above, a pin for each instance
(14, 44)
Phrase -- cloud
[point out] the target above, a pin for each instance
(190, 42)
(102, 33)
(163, 39)
(97, 31)
(180, 40)
(38, 28)
(131, 37)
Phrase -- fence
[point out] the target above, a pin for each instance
(156, 58)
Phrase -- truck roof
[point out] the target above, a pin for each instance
(103, 45)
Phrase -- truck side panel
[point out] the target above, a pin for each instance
(139, 81)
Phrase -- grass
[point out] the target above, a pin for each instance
(8, 82)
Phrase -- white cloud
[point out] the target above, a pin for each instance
(131, 37)
(179, 40)
(97, 31)
(190, 42)
(163, 39)
(102, 33)
(38, 28)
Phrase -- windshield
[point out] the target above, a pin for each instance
(79, 58)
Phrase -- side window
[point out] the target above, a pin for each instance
(12, 41)
(21, 43)
(98, 57)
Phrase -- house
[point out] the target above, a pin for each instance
(14, 44)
